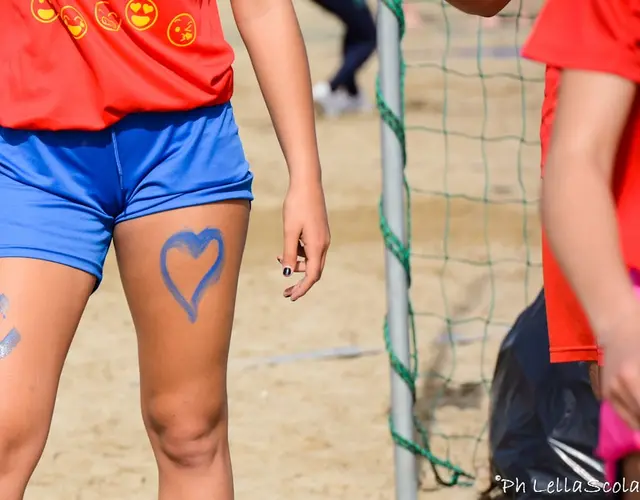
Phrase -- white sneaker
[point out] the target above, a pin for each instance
(328, 102)
(321, 90)
(338, 102)
(358, 103)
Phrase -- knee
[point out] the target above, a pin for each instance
(188, 435)
(21, 444)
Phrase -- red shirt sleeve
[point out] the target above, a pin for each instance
(593, 35)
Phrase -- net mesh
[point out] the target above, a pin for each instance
(469, 126)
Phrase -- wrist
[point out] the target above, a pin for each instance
(619, 318)
(305, 176)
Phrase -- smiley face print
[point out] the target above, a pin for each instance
(74, 21)
(182, 30)
(141, 14)
(43, 11)
(106, 17)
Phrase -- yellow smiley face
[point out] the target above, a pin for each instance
(43, 11)
(182, 30)
(106, 17)
(74, 22)
(141, 14)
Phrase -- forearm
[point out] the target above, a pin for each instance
(485, 8)
(271, 33)
(578, 213)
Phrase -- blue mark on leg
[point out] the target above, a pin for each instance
(195, 244)
(9, 343)
(4, 305)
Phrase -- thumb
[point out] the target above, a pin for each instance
(290, 254)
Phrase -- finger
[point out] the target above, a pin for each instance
(300, 266)
(324, 256)
(621, 407)
(630, 391)
(300, 253)
(312, 274)
(290, 251)
(622, 401)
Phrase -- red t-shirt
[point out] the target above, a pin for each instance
(84, 64)
(603, 36)
(551, 88)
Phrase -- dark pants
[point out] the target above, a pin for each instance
(359, 41)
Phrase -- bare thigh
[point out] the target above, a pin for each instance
(180, 274)
(40, 306)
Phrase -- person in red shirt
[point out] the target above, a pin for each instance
(591, 202)
(116, 125)
(570, 337)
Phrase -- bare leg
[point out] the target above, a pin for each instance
(631, 474)
(40, 307)
(183, 333)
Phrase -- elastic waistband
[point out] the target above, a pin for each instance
(159, 118)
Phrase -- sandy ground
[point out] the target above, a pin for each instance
(317, 429)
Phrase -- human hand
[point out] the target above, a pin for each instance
(621, 370)
(306, 236)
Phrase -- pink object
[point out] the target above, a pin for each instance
(616, 440)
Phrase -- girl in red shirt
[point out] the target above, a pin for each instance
(591, 188)
(116, 125)
(591, 200)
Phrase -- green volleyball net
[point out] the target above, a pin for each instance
(468, 129)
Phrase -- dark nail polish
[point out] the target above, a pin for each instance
(286, 271)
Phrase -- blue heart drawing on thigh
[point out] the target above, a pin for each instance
(195, 244)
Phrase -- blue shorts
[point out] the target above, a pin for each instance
(62, 193)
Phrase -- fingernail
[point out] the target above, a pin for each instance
(286, 271)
